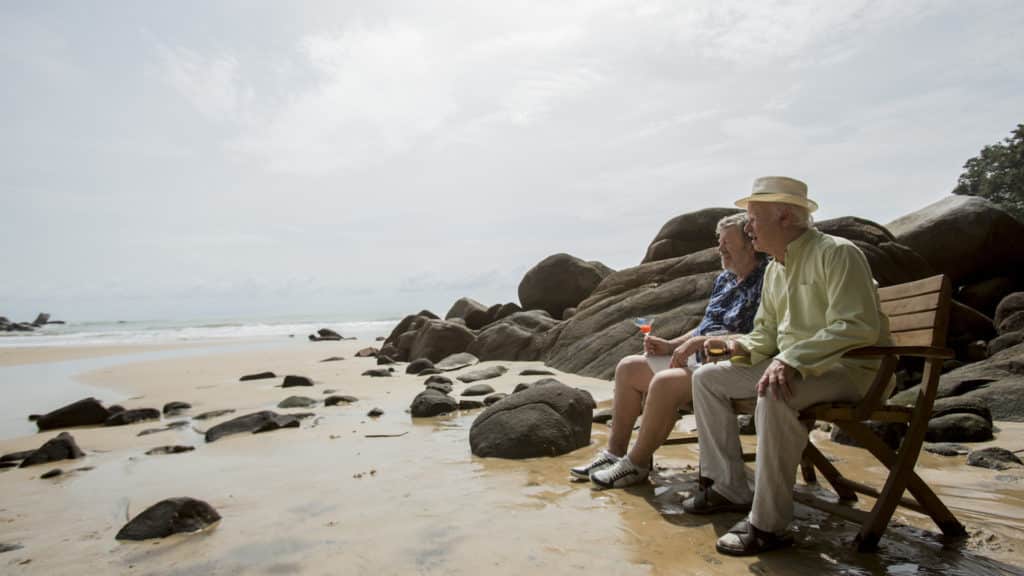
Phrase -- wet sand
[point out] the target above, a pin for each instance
(328, 499)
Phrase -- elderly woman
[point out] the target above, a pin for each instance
(664, 371)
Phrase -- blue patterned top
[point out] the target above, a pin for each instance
(733, 305)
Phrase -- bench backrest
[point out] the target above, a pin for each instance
(918, 311)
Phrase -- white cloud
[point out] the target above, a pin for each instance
(210, 83)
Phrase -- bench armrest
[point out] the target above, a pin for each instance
(918, 351)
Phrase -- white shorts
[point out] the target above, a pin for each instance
(660, 363)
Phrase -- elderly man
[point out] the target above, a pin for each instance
(663, 373)
(818, 302)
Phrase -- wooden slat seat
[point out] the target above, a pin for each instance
(918, 314)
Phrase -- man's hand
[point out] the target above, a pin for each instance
(684, 351)
(654, 346)
(778, 377)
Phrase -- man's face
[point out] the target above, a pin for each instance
(764, 225)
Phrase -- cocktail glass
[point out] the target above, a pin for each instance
(644, 323)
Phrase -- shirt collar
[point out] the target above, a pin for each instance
(797, 247)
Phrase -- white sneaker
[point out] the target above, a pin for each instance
(621, 474)
(604, 459)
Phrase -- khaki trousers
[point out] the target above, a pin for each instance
(781, 437)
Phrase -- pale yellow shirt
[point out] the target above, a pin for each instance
(822, 303)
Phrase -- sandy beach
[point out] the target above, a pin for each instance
(351, 494)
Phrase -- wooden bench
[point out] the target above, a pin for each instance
(918, 315)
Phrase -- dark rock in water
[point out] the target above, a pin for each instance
(41, 319)
(536, 372)
(470, 404)
(291, 380)
(603, 416)
(456, 361)
(959, 427)
(341, 399)
(63, 447)
(175, 408)
(9, 547)
(51, 473)
(177, 424)
(380, 338)
(890, 432)
(366, 352)
(132, 416)
(945, 448)
(994, 458)
(149, 431)
(375, 412)
(478, 390)
(257, 376)
(440, 387)
(85, 412)
(5, 465)
(328, 333)
(377, 373)
(384, 359)
(558, 282)
(255, 422)
(178, 449)
(281, 421)
(418, 365)
(482, 374)
(541, 421)
(438, 379)
(16, 456)
(429, 372)
(168, 517)
(430, 402)
(746, 424)
(213, 414)
(297, 402)
(115, 409)
(332, 359)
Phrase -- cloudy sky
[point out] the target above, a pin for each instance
(368, 159)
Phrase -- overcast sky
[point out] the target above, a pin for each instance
(369, 159)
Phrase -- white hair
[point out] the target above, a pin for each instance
(800, 216)
(737, 221)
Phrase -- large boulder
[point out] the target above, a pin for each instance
(515, 337)
(965, 237)
(540, 421)
(167, 517)
(997, 383)
(985, 296)
(472, 312)
(436, 339)
(891, 262)
(558, 282)
(85, 412)
(686, 234)
(602, 331)
(1007, 306)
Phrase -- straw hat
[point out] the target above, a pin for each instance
(779, 189)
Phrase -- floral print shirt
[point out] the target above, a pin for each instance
(733, 305)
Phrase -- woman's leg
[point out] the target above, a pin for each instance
(632, 377)
(667, 392)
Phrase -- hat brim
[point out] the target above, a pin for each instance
(807, 203)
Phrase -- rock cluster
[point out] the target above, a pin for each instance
(41, 320)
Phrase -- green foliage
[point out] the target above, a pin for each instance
(997, 174)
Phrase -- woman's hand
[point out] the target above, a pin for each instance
(684, 351)
(654, 346)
